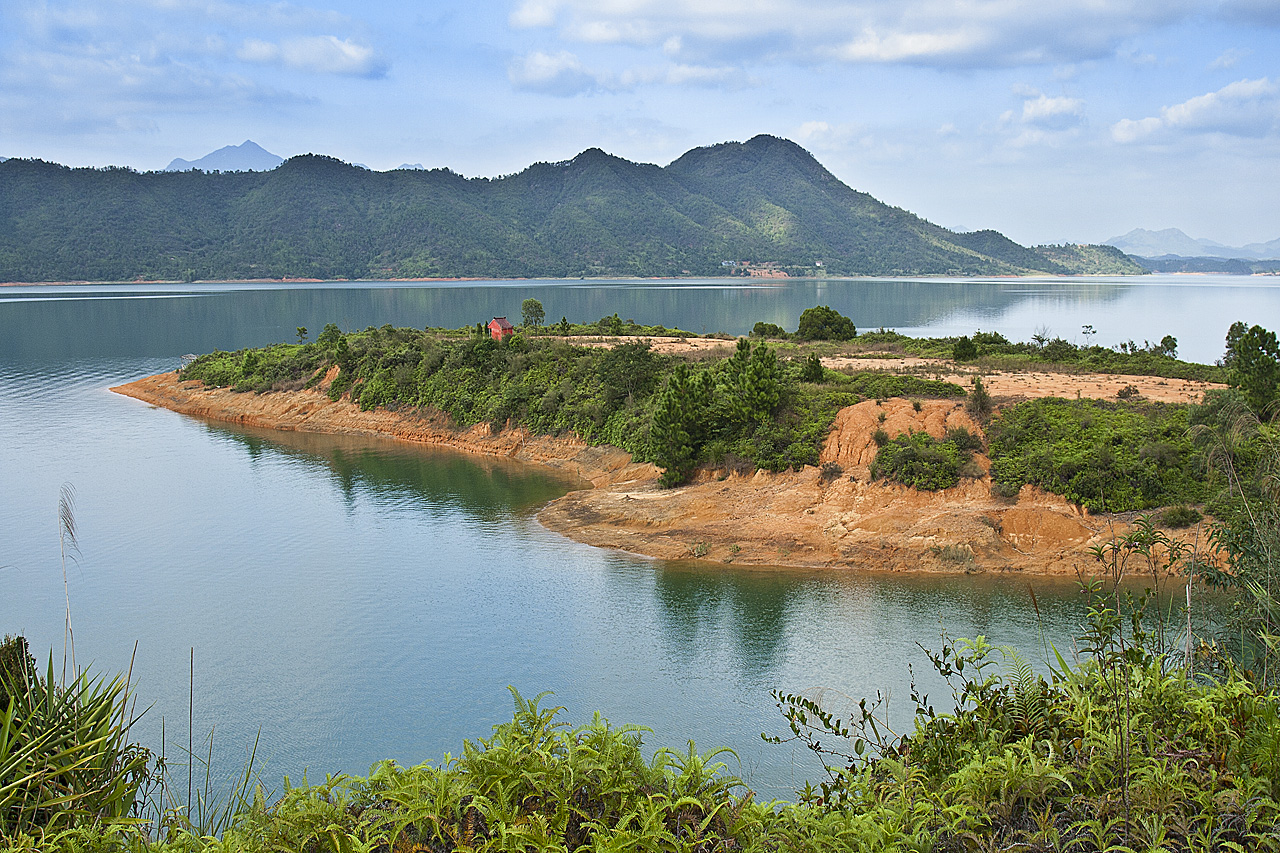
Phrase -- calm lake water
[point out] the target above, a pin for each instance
(353, 600)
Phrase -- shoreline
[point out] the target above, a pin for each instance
(754, 281)
(793, 519)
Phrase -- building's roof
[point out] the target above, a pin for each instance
(502, 323)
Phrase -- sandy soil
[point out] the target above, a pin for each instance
(803, 519)
(1010, 386)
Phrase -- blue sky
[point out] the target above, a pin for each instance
(1049, 121)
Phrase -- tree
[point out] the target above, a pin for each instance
(531, 314)
(767, 330)
(979, 403)
(811, 369)
(629, 370)
(964, 349)
(676, 434)
(1254, 357)
(761, 385)
(752, 383)
(302, 334)
(1234, 334)
(825, 324)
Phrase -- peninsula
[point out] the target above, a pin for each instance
(818, 494)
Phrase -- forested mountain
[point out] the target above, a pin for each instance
(766, 203)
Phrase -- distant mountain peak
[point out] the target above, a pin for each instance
(1177, 243)
(248, 156)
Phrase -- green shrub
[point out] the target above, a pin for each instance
(1179, 516)
(811, 370)
(920, 461)
(964, 349)
(768, 330)
(1111, 457)
(66, 760)
(979, 404)
(825, 324)
(881, 386)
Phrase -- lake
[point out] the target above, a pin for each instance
(350, 600)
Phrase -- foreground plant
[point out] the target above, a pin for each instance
(66, 759)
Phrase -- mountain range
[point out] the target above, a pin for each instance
(1174, 242)
(248, 156)
(765, 206)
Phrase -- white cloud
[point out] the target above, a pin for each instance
(318, 54)
(1243, 108)
(1044, 110)
(701, 75)
(842, 137)
(125, 66)
(1229, 58)
(560, 74)
(533, 13)
(921, 32)
(813, 130)
(257, 50)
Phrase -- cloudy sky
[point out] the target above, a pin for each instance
(1049, 120)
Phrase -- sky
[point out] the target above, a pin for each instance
(1048, 120)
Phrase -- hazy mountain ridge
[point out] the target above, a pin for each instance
(1173, 242)
(766, 201)
(248, 156)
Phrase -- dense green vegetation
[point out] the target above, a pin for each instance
(993, 351)
(1228, 266)
(66, 758)
(1092, 259)
(765, 201)
(822, 323)
(923, 462)
(1242, 453)
(745, 410)
(1109, 457)
(753, 410)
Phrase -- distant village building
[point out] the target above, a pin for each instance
(500, 329)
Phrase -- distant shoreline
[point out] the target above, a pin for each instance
(755, 282)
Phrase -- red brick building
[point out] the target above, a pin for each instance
(500, 329)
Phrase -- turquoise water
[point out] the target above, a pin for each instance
(352, 600)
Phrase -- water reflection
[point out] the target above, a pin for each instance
(405, 476)
(749, 611)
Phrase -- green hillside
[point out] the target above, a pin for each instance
(766, 201)
(1091, 259)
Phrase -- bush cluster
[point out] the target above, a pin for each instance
(1109, 457)
(921, 461)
